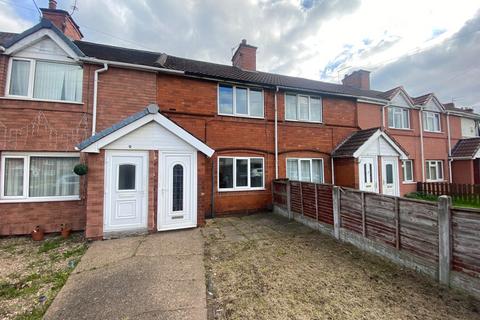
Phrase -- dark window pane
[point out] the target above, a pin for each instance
(389, 173)
(256, 173)
(226, 99)
(126, 177)
(225, 172)
(177, 188)
(242, 172)
(241, 101)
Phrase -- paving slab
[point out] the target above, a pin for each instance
(159, 276)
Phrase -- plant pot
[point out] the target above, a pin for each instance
(38, 234)
(66, 232)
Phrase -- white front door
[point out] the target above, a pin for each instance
(368, 174)
(390, 176)
(177, 196)
(126, 188)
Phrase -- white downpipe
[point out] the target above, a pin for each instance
(421, 143)
(276, 134)
(383, 114)
(95, 97)
(333, 170)
(449, 149)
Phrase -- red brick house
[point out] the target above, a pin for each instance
(169, 141)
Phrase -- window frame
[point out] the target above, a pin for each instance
(234, 173)
(26, 176)
(426, 115)
(234, 101)
(439, 168)
(311, 168)
(31, 81)
(404, 167)
(401, 110)
(297, 109)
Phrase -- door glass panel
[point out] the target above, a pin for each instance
(177, 188)
(389, 173)
(242, 172)
(126, 177)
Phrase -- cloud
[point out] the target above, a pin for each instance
(11, 21)
(450, 69)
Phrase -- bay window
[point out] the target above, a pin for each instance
(434, 170)
(45, 80)
(302, 169)
(303, 108)
(240, 101)
(240, 173)
(39, 176)
(431, 121)
(398, 118)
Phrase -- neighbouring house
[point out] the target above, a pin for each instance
(170, 141)
(466, 161)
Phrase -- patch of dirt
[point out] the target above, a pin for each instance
(287, 274)
(32, 273)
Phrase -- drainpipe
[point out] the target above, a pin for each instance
(333, 169)
(95, 97)
(421, 143)
(383, 114)
(449, 149)
(276, 134)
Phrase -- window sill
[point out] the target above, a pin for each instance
(240, 116)
(436, 180)
(240, 190)
(439, 132)
(403, 129)
(40, 199)
(304, 121)
(409, 182)
(40, 100)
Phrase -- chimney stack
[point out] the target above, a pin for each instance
(245, 57)
(359, 79)
(62, 20)
(52, 4)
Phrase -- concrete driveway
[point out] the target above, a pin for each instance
(159, 276)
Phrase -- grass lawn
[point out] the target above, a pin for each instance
(263, 267)
(457, 202)
(32, 273)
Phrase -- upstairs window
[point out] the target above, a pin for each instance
(431, 121)
(309, 170)
(303, 108)
(45, 80)
(240, 101)
(398, 118)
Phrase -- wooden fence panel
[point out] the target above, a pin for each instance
(465, 192)
(325, 203)
(466, 241)
(295, 199)
(380, 218)
(279, 190)
(308, 193)
(419, 228)
(351, 210)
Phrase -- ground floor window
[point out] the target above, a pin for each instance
(407, 170)
(434, 170)
(303, 169)
(240, 173)
(34, 176)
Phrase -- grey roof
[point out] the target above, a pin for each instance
(43, 24)
(6, 37)
(151, 109)
(466, 148)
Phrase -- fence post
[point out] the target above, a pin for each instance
(336, 212)
(444, 250)
(289, 200)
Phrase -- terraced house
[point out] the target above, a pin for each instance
(169, 141)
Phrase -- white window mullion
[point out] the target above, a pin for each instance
(234, 173)
(311, 170)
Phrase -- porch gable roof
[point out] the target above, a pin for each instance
(466, 149)
(135, 121)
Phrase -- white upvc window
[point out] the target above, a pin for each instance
(398, 118)
(44, 80)
(303, 108)
(431, 121)
(434, 170)
(408, 171)
(240, 101)
(305, 169)
(39, 177)
(241, 173)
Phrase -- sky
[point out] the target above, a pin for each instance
(425, 46)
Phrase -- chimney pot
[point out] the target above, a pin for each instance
(245, 57)
(359, 79)
(52, 4)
